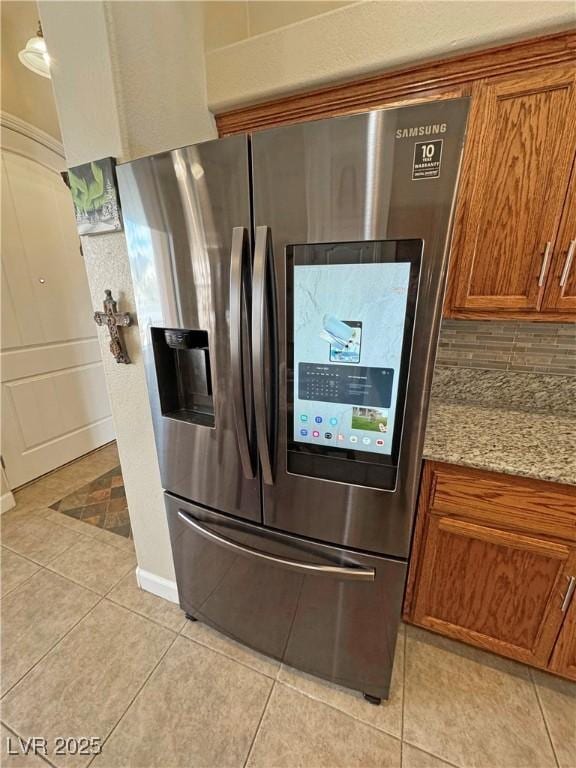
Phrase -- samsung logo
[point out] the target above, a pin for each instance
(421, 130)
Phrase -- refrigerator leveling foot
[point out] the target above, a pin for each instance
(376, 700)
(190, 617)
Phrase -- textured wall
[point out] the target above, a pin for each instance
(108, 267)
(508, 345)
(158, 67)
(366, 37)
(77, 37)
(229, 22)
(129, 80)
(24, 94)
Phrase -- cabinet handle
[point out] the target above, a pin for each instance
(567, 263)
(338, 571)
(545, 261)
(569, 592)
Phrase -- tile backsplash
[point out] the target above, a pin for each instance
(508, 345)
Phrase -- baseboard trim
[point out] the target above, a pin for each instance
(157, 585)
(7, 501)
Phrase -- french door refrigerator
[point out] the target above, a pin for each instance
(289, 287)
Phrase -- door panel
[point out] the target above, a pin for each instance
(517, 163)
(564, 657)
(351, 179)
(560, 293)
(180, 209)
(54, 400)
(269, 591)
(492, 588)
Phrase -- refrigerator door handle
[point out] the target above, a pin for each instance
(261, 269)
(349, 573)
(238, 253)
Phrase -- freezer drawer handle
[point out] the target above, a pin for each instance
(350, 574)
(237, 255)
(260, 285)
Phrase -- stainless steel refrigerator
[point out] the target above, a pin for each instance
(289, 287)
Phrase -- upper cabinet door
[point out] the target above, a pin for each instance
(560, 293)
(519, 151)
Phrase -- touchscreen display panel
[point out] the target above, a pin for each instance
(349, 322)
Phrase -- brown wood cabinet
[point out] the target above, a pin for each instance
(519, 153)
(560, 293)
(515, 215)
(564, 657)
(494, 564)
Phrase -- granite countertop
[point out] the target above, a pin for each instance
(506, 436)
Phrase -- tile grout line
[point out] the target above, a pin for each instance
(15, 733)
(133, 699)
(91, 589)
(52, 647)
(137, 613)
(21, 584)
(251, 747)
(337, 709)
(432, 754)
(87, 525)
(541, 708)
(51, 559)
(226, 656)
(57, 642)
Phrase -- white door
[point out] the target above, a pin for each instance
(54, 401)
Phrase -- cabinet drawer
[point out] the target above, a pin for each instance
(516, 504)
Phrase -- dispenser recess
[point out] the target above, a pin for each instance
(182, 361)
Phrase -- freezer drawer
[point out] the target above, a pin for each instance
(329, 612)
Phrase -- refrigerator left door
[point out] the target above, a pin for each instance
(187, 224)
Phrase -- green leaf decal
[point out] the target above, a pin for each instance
(96, 188)
(79, 190)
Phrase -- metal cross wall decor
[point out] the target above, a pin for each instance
(114, 320)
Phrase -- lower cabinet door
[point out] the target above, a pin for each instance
(564, 657)
(495, 589)
(324, 610)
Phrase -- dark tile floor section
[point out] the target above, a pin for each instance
(101, 502)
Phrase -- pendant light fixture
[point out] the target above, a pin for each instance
(35, 56)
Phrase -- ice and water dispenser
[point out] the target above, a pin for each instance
(182, 359)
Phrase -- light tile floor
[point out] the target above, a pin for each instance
(86, 653)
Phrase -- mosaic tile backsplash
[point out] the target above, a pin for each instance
(509, 346)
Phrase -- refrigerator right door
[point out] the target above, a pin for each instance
(352, 220)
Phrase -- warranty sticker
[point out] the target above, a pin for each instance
(427, 159)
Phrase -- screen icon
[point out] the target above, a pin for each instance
(318, 419)
(380, 442)
(303, 432)
(366, 440)
(328, 435)
(315, 433)
(333, 421)
(303, 417)
(353, 439)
